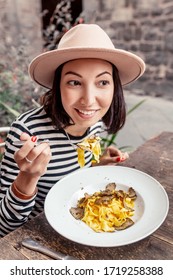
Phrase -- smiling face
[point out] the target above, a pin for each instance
(86, 92)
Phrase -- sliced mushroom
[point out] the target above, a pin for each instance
(77, 212)
(83, 199)
(132, 193)
(111, 186)
(126, 224)
(109, 189)
(126, 206)
(120, 193)
(105, 193)
(104, 199)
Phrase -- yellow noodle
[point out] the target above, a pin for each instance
(105, 217)
(89, 144)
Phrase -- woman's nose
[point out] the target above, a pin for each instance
(88, 97)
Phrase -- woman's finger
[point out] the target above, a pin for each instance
(38, 165)
(112, 151)
(26, 148)
(24, 136)
(112, 156)
(36, 151)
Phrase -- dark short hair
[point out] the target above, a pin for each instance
(114, 119)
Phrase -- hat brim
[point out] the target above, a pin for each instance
(42, 68)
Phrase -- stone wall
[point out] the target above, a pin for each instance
(20, 29)
(20, 41)
(144, 27)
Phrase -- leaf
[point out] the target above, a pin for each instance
(12, 111)
(136, 106)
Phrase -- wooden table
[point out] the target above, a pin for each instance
(155, 158)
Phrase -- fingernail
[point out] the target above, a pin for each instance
(118, 159)
(34, 138)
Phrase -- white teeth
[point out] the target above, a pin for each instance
(86, 112)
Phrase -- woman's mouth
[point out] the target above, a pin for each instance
(86, 113)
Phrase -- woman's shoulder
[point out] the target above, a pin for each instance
(97, 128)
(34, 113)
(31, 121)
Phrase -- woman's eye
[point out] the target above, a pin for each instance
(104, 83)
(74, 83)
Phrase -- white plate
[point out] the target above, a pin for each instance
(151, 205)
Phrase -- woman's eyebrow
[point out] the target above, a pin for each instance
(105, 72)
(73, 73)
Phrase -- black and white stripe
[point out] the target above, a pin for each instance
(14, 211)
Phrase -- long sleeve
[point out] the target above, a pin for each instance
(15, 211)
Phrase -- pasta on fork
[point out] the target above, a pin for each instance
(92, 145)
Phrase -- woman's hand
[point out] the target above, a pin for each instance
(32, 161)
(112, 156)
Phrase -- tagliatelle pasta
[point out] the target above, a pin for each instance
(108, 210)
(91, 144)
(81, 156)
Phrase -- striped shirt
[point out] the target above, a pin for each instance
(14, 211)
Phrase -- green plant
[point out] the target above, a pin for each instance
(16, 93)
(16, 88)
(60, 22)
(11, 110)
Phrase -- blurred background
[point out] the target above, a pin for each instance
(144, 27)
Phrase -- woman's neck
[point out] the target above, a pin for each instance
(75, 131)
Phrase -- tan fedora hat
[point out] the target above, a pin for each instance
(85, 41)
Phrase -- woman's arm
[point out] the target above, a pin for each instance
(32, 160)
(18, 181)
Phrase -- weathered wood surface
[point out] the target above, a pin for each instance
(155, 158)
(9, 251)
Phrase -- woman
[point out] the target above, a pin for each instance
(85, 77)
